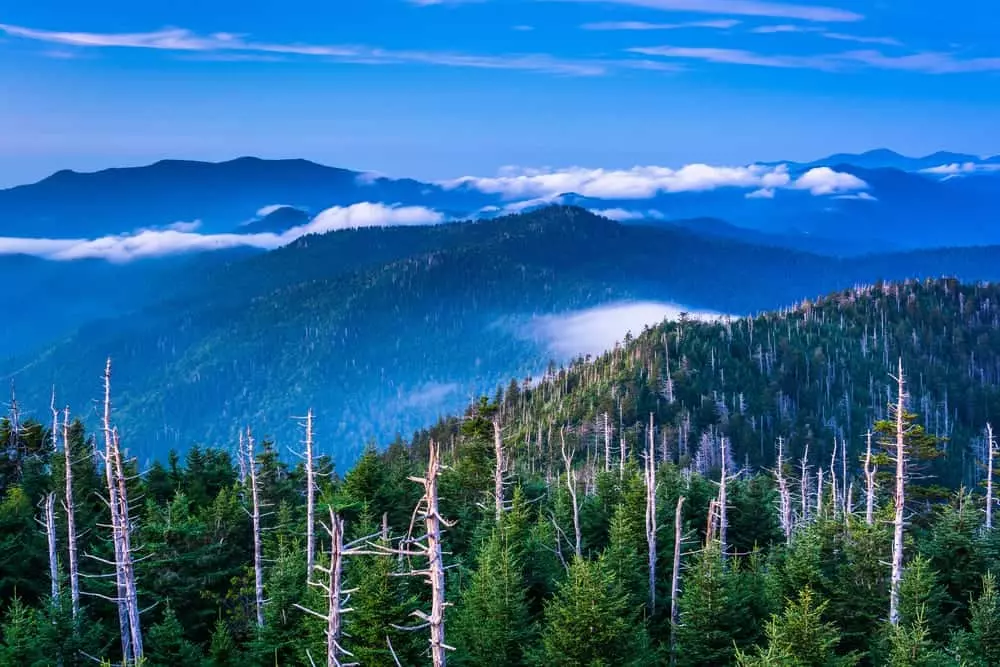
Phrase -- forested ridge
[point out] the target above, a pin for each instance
(805, 487)
(358, 323)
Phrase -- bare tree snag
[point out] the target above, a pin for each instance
(499, 468)
(50, 535)
(336, 596)
(819, 493)
(128, 563)
(869, 481)
(833, 480)
(70, 507)
(784, 496)
(116, 521)
(567, 456)
(991, 443)
(258, 561)
(723, 518)
(310, 498)
(607, 444)
(804, 484)
(675, 581)
(650, 478)
(899, 412)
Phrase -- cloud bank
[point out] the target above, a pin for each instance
(644, 182)
(596, 330)
(180, 238)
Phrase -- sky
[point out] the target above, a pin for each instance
(438, 89)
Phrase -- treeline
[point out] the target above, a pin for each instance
(812, 487)
(577, 564)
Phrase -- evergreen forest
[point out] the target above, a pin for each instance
(806, 487)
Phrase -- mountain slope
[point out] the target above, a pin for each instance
(221, 195)
(385, 341)
(819, 373)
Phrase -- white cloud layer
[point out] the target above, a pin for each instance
(643, 182)
(805, 12)
(624, 215)
(596, 330)
(161, 243)
(958, 169)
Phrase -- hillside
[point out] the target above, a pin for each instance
(384, 329)
(566, 546)
(813, 375)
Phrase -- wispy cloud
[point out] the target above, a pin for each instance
(803, 12)
(538, 185)
(226, 44)
(861, 39)
(960, 169)
(180, 238)
(624, 214)
(596, 330)
(928, 63)
(721, 24)
(823, 32)
(739, 57)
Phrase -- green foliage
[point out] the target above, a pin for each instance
(588, 623)
(800, 638)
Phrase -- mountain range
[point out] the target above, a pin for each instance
(382, 329)
(247, 291)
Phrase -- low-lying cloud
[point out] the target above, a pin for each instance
(596, 330)
(644, 182)
(181, 238)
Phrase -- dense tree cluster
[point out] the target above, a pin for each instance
(581, 522)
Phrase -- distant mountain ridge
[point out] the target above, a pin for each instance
(365, 324)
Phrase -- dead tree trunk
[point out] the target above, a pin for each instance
(310, 498)
(258, 560)
(429, 547)
(69, 506)
(50, 536)
(499, 468)
(567, 456)
(675, 581)
(651, 514)
(991, 444)
(607, 444)
(804, 484)
(723, 518)
(869, 481)
(784, 496)
(899, 499)
(128, 562)
(116, 522)
(833, 480)
(819, 493)
(336, 596)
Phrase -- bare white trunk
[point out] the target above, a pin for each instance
(334, 592)
(69, 505)
(499, 468)
(435, 562)
(899, 500)
(567, 456)
(607, 444)
(833, 479)
(675, 581)
(723, 517)
(651, 515)
(991, 444)
(258, 559)
(819, 493)
(50, 536)
(869, 481)
(622, 456)
(128, 563)
(116, 522)
(310, 498)
(844, 494)
(804, 484)
(784, 495)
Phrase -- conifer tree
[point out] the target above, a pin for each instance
(588, 622)
(491, 623)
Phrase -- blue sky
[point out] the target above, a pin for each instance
(443, 89)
